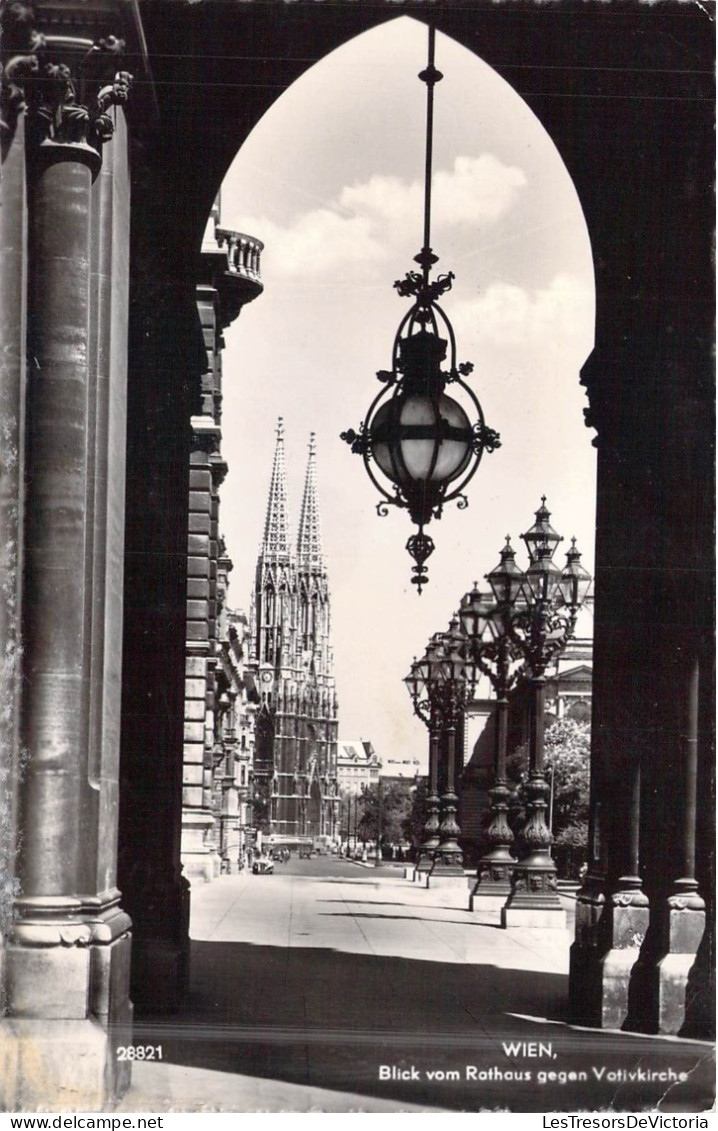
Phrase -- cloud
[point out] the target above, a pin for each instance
(316, 245)
(509, 315)
(477, 189)
(367, 220)
(480, 189)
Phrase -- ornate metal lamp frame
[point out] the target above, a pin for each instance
(417, 354)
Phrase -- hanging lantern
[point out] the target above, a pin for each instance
(420, 445)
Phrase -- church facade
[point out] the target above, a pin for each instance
(295, 758)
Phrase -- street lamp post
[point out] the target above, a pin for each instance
(426, 708)
(540, 627)
(485, 619)
(440, 691)
(379, 822)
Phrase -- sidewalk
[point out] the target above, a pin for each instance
(361, 992)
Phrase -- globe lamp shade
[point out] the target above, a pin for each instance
(421, 441)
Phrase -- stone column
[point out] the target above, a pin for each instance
(612, 908)
(13, 329)
(660, 988)
(68, 948)
(684, 916)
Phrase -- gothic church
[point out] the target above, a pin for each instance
(295, 776)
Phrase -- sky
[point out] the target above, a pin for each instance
(331, 179)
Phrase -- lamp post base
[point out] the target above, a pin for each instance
(533, 917)
(484, 901)
(451, 887)
(493, 877)
(533, 900)
(447, 869)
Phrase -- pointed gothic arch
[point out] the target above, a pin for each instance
(649, 368)
(625, 92)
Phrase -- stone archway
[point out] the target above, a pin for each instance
(624, 92)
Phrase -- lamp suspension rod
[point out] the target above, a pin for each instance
(430, 76)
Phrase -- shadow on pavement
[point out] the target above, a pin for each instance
(416, 1031)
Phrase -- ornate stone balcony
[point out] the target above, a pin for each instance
(241, 281)
(230, 265)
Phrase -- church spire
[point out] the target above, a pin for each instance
(277, 539)
(309, 543)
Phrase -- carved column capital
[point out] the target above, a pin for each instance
(67, 84)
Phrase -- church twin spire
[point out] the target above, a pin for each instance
(310, 558)
(276, 546)
(277, 543)
(291, 617)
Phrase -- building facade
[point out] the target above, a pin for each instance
(229, 278)
(358, 765)
(295, 758)
(233, 752)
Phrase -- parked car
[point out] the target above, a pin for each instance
(264, 866)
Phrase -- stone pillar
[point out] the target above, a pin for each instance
(661, 976)
(684, 916)
(68, 949)
(13, 329)
(612, 908)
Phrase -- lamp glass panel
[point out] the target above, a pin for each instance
(454, 454)
(574, 584)
(382, 450)
(543, 577)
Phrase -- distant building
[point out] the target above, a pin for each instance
(357, 765)
(295, 764)
(235, 710)
(400, 771)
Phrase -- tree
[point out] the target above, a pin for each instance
(567, 749)
(384, 807)
(413, 824)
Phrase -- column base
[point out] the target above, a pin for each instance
(69, 1009)
(57, 1065)
(200, 861)
(610, 930)
(686, 924)
(660, 990)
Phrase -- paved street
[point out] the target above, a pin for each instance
(332, 987)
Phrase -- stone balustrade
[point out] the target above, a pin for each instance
(243, 254)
